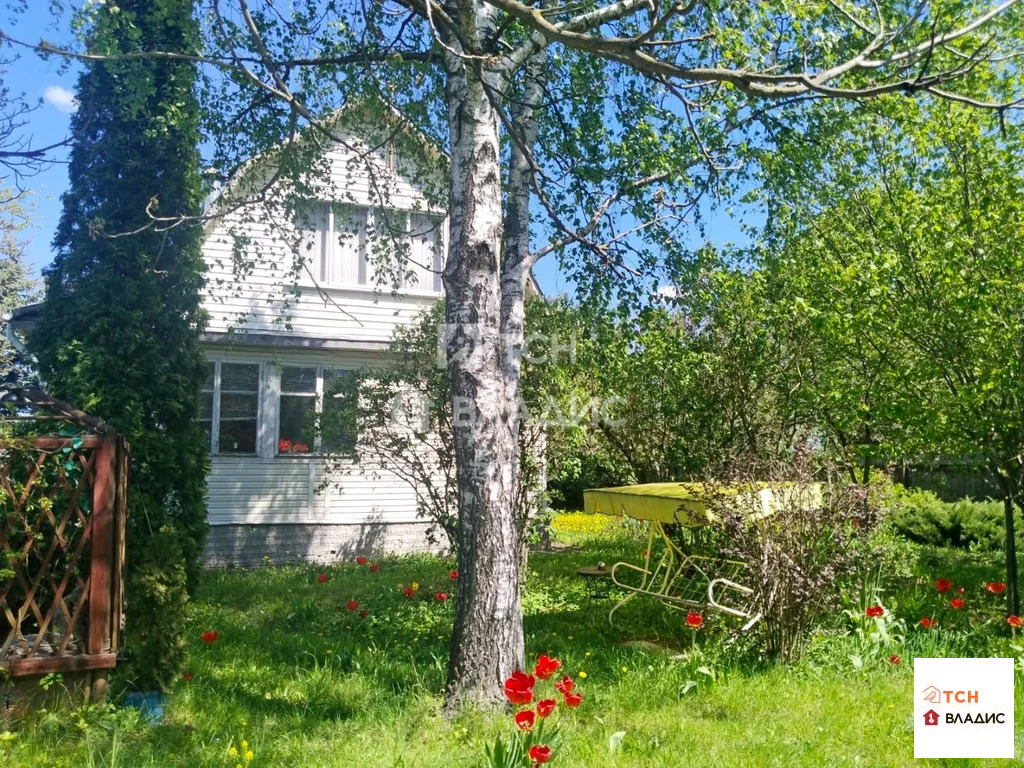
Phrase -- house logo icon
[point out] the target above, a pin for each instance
(931, 717)
(932, 695)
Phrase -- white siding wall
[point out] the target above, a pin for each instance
(288, 489)
(247, 489)
(261, 300)
(284, 489)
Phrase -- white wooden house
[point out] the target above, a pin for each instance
(272, 341)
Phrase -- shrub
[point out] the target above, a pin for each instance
(796, 557)
(155, 639)
(923, 517)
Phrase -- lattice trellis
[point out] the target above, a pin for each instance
(62, 501)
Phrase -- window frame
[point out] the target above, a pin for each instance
(322, 264)
(318, 406)
(316, 395)
(214, 446)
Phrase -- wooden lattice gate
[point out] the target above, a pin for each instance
(62, 532)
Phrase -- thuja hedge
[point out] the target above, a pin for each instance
(121, 320)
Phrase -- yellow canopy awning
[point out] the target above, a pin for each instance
(682, 503)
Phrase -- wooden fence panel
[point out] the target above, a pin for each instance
(62, 524)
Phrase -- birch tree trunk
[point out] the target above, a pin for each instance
(487, 640)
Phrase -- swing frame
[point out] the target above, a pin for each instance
(675, 578)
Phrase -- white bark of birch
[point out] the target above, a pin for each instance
(487, 640)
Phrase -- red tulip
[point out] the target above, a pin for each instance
(408, 591)
(895, 660)
(927, 623)
(996, 587)
(441, 596)
(546, 667)
(874, 612)
(375, 567)
(453, 575)
(573, 700)
(957, 603)
(209, 636)
(187, 676)
(519, 688)
(694, 619)
(525, 720)
(1014, 621)
(363, 613)
(545, 707)
(943, 585)
(300, 448)
(565, 685)
(352, 605)
(540, 753)
(361, 560)
(284, 445)
(322, 578)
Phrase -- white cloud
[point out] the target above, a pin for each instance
(61, 98)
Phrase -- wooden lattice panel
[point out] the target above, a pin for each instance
(60, 553)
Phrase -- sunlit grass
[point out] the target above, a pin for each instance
(305, 681)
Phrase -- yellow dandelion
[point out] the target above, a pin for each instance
(625, 669)
(587, 653)
(415, 586)
(583, 675)
(248, 756)
(233, 752)
(244, 723)
(245, 745)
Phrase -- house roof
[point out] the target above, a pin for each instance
(24, 318)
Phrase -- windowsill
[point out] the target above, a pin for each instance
(310, 455)
(370, 289)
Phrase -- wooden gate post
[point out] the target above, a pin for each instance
(101, 583)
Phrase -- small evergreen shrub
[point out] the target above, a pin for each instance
(157, 595)
(923, 517)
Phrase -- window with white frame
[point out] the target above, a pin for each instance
(340, 241)
(314, 412)
(229, 407)
(425, 253)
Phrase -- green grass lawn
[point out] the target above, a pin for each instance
(305, 681)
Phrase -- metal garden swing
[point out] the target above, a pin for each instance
(670, 575)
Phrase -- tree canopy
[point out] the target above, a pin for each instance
(590, 131)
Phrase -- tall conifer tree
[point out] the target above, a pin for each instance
(121, 321)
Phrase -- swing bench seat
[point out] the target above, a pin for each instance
(677, 579)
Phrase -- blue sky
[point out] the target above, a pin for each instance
(46, 82)
(51, 83)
